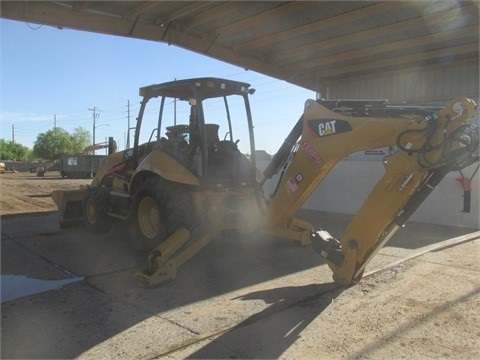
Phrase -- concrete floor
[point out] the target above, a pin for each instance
(237, 298)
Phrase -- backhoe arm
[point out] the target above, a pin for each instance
(432, 142)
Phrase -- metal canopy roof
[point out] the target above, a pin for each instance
(307, 43)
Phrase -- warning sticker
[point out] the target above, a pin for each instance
(293, 182)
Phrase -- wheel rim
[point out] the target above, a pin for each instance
(149, 217)
(90, 211)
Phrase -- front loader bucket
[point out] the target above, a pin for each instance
(70, 206)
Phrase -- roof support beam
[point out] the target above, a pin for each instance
(319, 26)
(438, 19)
(182, 12)
(457, 36)
(399, 61)
(140, 9)
(269, 15)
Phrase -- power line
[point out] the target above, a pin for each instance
(95, 116)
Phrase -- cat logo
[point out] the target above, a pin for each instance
(326, 127)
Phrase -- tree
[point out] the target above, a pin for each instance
(56, 142)
(13, 151)
(80, 139)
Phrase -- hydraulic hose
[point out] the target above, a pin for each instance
(282, 154)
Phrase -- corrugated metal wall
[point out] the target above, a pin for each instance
(435, 85)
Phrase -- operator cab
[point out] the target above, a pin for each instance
(204, 124)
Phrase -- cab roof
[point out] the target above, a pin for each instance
(208, 87)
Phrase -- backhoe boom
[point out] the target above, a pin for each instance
(431, 142)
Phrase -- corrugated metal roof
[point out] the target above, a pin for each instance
(311, 43)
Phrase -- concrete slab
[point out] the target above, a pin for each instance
(16, 259)
(79, 320)
(218, 277)
(239, 297)
(77, 251)
(18, 226)
(411, 311)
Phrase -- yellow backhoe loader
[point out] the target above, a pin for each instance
(185, 180)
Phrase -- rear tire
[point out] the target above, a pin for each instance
(159, 209)
(95, 208)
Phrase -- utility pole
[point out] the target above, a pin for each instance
(55, 121)
(129, 128)
(174, 111)
(95, 117)
(13, 142)
(128, 125)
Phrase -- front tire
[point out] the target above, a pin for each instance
(159, 209)
(95, 208)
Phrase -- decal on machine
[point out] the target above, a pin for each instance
(326, 127)
(312, 154)
(293, 182)
(116, 168)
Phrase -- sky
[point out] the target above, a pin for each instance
(55, 77)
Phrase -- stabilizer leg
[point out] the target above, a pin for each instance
(165, 259)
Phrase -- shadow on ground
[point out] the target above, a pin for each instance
(273, 337)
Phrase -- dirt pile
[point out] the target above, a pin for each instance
(26, 193)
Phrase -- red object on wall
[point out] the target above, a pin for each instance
(466, 183)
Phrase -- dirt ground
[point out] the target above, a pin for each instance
(27, 193)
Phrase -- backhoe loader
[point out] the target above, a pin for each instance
(185, 180)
